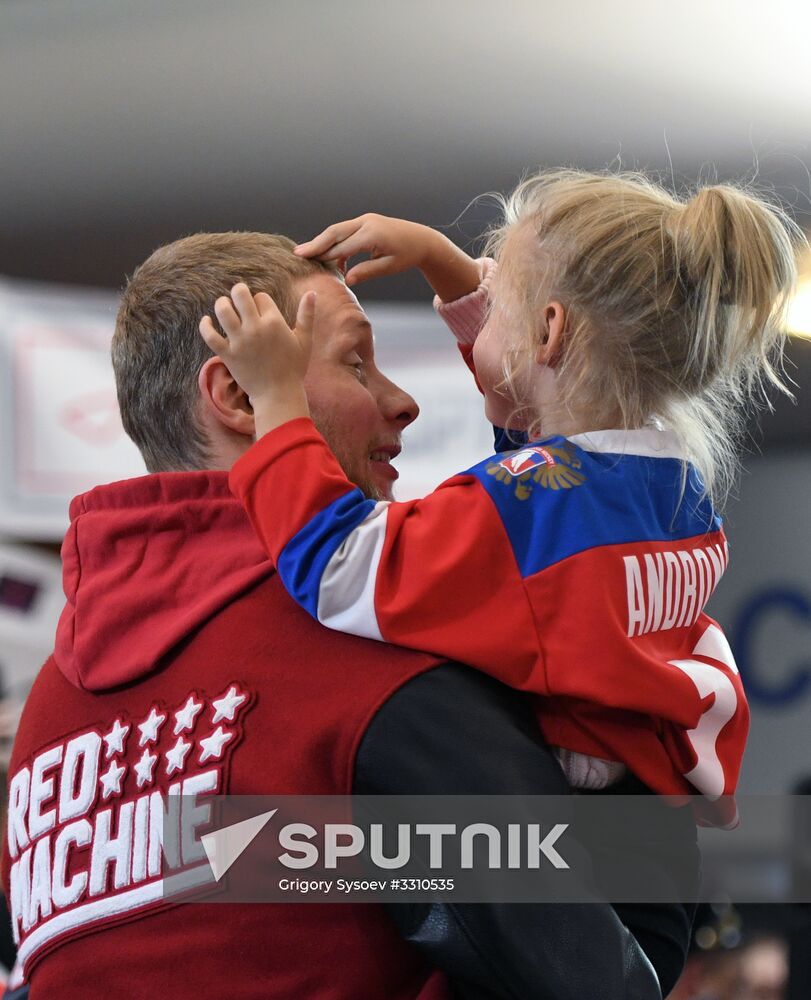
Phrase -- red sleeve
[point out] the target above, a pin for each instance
(436, 574)
(449, 584)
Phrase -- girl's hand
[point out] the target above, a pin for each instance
(395, 245)
(267, 358)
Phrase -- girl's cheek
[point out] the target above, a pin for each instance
(485, 357)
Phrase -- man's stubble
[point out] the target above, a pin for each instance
(328, 426)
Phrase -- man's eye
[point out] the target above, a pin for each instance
(359, 368)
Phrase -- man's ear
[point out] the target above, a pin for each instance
(224, 399)
(553, 323)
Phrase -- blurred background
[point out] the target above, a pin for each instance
(124, 126)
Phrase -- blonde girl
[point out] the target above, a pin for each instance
(622, 331)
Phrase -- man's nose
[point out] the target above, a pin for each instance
(397, 405)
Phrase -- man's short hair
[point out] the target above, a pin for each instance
(157, 349)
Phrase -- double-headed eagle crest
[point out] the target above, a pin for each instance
(553, 468)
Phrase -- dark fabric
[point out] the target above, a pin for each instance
(8, 949)
(455, 731)
(506, 440)
(20, 994)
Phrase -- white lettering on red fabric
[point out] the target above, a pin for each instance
(708, 774)
(669, 589)
(98, 822)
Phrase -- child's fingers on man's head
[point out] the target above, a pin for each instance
(348, 245)
(211, 335)
(319, 245)
(355, 243)
(305, 316)
(369, 269)
(227, 315)
(265, 304)
(306, 308)
(243, 301)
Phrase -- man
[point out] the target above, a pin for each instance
(181, 667)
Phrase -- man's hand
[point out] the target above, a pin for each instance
(395, 245)
(267, 358)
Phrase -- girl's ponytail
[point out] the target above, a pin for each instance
(735, 260)
(675, 309)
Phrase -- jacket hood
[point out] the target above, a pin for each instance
(145, 562)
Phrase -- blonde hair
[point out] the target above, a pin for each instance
(674, 308)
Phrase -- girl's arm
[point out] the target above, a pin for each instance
(436, 574)
(459, 282)
(465, 318)
(396, 245)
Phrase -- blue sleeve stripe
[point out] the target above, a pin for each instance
(303, 560)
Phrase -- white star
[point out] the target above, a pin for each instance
(184, 717)
(212, 747)
(145, 767)
(150, 726)
(228, 705)
(115, 739)
(176, 757)
(111, 780)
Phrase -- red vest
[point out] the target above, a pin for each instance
(259, 700)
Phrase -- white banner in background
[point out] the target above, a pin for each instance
(61, 434)
(60, 431)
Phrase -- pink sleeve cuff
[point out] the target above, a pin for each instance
(465, 317)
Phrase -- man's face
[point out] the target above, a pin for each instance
(358, 410)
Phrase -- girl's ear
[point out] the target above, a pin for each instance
(553, 322)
